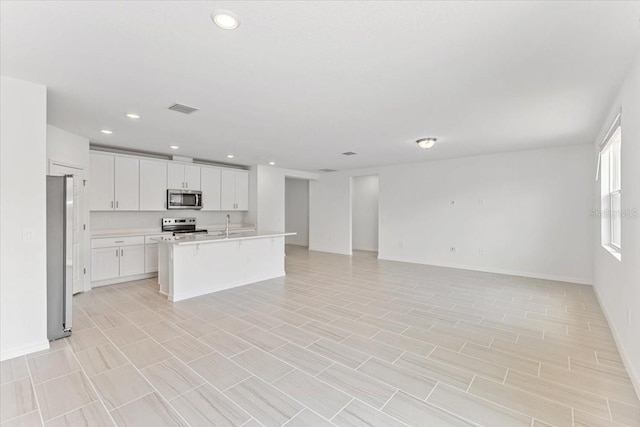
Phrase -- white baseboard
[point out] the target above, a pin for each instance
(633, 374)
(330, 252)
(116, 280)
(21, 351)
(568, 279)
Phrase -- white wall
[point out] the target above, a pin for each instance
(23, 228)
(365, 213)
(268, 205)
(617, 283)
(67, 148)
(296, 215)
(527, 211)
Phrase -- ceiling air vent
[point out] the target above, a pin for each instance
(326, 170)
(181, 108)
(349, 153)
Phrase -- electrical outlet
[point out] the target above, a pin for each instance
(453, 202)
(452, 249)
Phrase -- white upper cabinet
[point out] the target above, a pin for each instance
(192, 177)
(242, 190)
(101, 182)
(175, 176)
(234, 190)
(127, 184)
(153, 188)
(210, 186)
(228, 190)
(114, 183)
(181, 176)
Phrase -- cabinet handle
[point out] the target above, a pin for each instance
(119, 241)
(112, 204)
(116, 205)
(186, 184)
(121, 252)
(117, 252)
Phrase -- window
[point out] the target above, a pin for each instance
(611, 194)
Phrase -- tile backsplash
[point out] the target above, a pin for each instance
(128, 220)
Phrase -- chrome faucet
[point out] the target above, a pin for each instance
(226, 231)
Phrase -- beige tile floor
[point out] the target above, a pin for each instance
(348, 341)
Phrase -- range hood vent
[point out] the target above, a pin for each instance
(181, 108)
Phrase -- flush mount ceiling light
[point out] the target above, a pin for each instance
(425, 143)
(174, 147)
(225, 19)
(106, 131)
(272, 163)
(133, 116)
(230, 156)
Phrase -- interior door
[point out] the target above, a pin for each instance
(80, 236)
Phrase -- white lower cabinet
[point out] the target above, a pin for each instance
(118, 257)
(131, 260)
(105, 263)
(151, 258)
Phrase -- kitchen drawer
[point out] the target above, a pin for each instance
(148, 241)
(107, 242)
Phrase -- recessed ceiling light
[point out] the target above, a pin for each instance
(225, 20)
(425, 143)
(174, 147)
(106, 131)
(133, 116)
(229, 156)
(272, 163)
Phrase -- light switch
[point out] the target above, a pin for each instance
(27, 235)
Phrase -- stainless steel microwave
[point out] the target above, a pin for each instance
(184, 199)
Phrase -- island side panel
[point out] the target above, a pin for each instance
(200, 269)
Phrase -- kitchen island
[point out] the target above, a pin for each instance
(190, 266)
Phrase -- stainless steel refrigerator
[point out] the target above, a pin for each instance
(59, 256)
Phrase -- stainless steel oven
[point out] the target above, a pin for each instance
(184, 199)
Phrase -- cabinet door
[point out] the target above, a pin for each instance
(101, 187)
(127, 184)
(153, 185)
(175, 176)
(150, 258)
(210, 183)
(192, 177)
(228, 190)
(242, 190)
(105, 263)
(131, 260)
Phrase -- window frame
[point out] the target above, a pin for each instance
(611, 190)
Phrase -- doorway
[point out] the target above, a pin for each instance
(80, 232)
(296, 212)
(364, 213)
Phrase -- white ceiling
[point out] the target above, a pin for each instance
(301, 82)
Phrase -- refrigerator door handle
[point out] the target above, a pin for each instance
(68, 254)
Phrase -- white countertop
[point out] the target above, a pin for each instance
(216, 238)
(96, 234)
